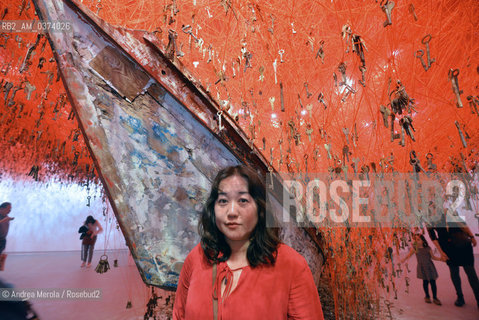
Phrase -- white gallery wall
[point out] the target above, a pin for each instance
(47, 216)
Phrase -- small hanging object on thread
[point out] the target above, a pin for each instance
(220, 126)
(272, 24)
(412, 11)
(387, 7)
(453, 73)
(415, 163)
(248, 56)
(430, 166)
(172, 47)
(461, 134)
(188, 30)
(401, 100)
(473, 102)
(103, 265)
(320, 52)
(151, 305)
(34, 172)
(342, 70)
(406, 123)
(386, 112)
(128, 304)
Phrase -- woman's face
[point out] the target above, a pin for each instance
(236, 211)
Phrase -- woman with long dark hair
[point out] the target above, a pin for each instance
(240, 270)
(88, 242)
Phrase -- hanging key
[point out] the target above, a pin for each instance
(98, 7)
(342, 70)
(292, 28)
(172, 48)
(415, 163)
(473, 105)
(355, 136)
(261, 75)
(406, 123)
(321, 100)
(274, 69)
(272, 24)
(308, 94)
(393, 134)
(387, 8)
(345, 153)
(328, 148)
(412, 11)
(363, 75)
(281, 52)
(316, 154)
(386, 112)
(320, 52)
(20, 107)
(419, 54)
(271, 178)
(425, 41)
(349, 90)
(430, 166)
(309, 131)
(309, 107)
(248, 56)
(299, 100)
(8, 86)
(463, 140)
(346, 134)
(41, 61)
(220, 126)
(5, 38)
(271, 101)
(345, 171)
(365, 171)
(280, 142)
(188, 30)
(402, 142)
(455, 86)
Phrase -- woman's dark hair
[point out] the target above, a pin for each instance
(90, 219)
(5, 205)
(424, 241)
(263, 241)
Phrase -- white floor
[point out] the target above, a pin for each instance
(62, 270)
(412, 305)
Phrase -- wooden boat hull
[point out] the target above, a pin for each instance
(154, 136)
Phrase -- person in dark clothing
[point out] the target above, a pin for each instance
(5, 209)
(454, 241)
(15, 310)
(93, 228)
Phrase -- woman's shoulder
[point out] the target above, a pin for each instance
(287, 255)
(196, 255)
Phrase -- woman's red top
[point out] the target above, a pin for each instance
(283, 291)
